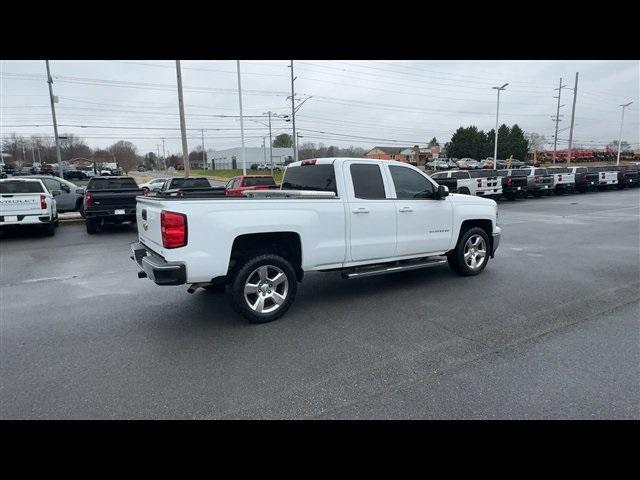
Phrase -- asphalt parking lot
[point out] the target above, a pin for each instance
(549, 330)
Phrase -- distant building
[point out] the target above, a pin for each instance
(231, 157)
(385, 153)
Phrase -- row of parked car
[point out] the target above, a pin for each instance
(472, 164)
(522, 182)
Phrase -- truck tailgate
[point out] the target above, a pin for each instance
(20, 204)
(148, 220)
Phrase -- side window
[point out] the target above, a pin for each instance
(51, 184)
(410, 184)
(460, 174)
(229, 184)
(367, 181)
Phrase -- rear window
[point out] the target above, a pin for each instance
(482, 173)
(21, 187)
(559, 170)
(520, 172)
(367, 181)
(439, 175)
(106, 183)
(540, 171)
(581, 170)
(503, 173)
(256, 181)
(460, 174)
(189, 183)
(310, 177)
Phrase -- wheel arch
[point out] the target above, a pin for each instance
(287, 244)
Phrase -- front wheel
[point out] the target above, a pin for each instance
(471, 254)
(264, 288)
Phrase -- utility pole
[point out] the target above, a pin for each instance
(204, 157)
(573, 114)
(242, 157)
(158, 147)
(264, 150)
(293, 115)
(557, 119)
(620, 135)
(55, 123)
(270, 146)
(495, 146)
(164, 156)
(183, 128)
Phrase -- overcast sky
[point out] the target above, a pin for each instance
(360, 103)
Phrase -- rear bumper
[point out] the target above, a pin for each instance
(31, 219)
(157, 268)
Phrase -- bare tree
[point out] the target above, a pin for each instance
(126, 155)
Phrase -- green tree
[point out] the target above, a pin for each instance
(433, 142)
(284, 140)
(517, 143)
(467, 142)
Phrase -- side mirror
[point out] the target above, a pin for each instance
(443, 191)
(65, 188)
(55, 193)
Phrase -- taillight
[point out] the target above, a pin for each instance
(479, 183)
(559, 178)
(602, 174)
(509, 181)
(43, 202)
(88, 199)
(536, 179)
(174, 229)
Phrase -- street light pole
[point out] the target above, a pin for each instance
(204, 157)
(55, 123)
(620, 135)
(183, 128)
(242, 158)
(495, 146)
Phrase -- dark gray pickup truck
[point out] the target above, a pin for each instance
(110, 200)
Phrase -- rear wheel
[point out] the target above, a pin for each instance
(264, 288)
(92, 226)
(471, 254)
(50, 229)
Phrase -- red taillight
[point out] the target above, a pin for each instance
(509, 181)
(43, 202)
(602, 174)
(88, 200)
(559, 178)
(536, 179)
(174, 229)
(308, 162)
(479, 183)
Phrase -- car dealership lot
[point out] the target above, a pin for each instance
(550, 330)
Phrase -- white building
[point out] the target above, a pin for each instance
(232, 157)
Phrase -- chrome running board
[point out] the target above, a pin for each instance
(369, 271)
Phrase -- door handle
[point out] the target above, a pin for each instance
(361, 210)
(406, 209)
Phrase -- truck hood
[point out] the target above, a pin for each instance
(460, 199)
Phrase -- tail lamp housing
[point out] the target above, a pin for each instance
(174, 229)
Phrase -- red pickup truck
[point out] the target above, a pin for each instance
(237, 185)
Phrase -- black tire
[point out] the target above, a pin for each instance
(92, 226)
(242, 273)
(464, 191)
(50, 229)
(456, 256)
(510, 196)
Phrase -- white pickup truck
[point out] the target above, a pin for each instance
(26, 202)
(362, 217)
